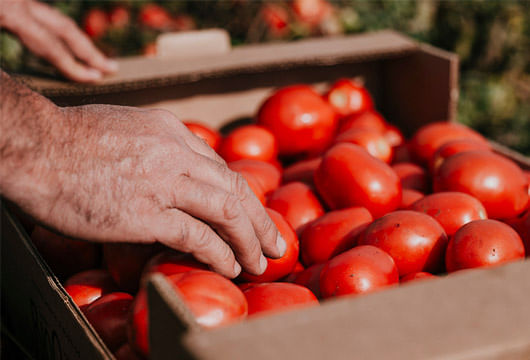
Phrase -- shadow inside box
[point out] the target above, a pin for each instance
(233, 124)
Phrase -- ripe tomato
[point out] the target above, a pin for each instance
(417, 276)
(372, 141)
(276, 18)
(278, 268)
(125, 352)
(302, 171)
(183, 22)
(310, 278)
(361, 270)
(296, 203)
(522, 226)
(332, 233)
(482, 243)
(88, 286)
(497, 182)
(108, 315)
(402, 153)
(348, 97)
(119, 17)
(409, 197)
(451, 209)
(455, 147)
(155, 17)
(412, 176)
(311, 12)
(298, 268)
(349, 176)
(301, 121)
(212, 137)
(393, 135)
(267, 175)
(430, 137)
(365, 120)
(269, 297)
(249, 142)
(171, 262)
(65, 256)
(95, 23)
(415, 240)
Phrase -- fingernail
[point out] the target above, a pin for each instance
(112, 65)
(281, 245)
(262, 264)
(94, 74)
(237, 269)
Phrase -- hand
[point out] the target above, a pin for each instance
(55, 37)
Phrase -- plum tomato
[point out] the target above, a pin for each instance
(348, 176)
(361, 270)
(455, 147)
(451, 209)
(212, 137)
(171, 262)
(95, 23)
(301, 121)
(267, 175)
(421, 275)
(409, 197)
(155, 17)
(372, 141)
(402, 153)
(412, 176)
(497, 182)
(483, 243)
(275, 297)
(332, 233)
(119, 17)
(522, 226)
(302, 171)
(415, 240)
(366, 120)
(88, 286)
(249, 142)
(310, 278)
(292, 275)
(348, 97)
(393, 135)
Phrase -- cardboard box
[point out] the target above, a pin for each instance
(481, 314)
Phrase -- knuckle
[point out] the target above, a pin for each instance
(225, 255)
(266, 227)
(231, 208)
(201, 238)
(240, 186)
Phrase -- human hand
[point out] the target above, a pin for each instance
(55, 37)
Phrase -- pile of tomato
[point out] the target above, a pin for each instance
(360, 208)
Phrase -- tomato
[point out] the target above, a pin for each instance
(276, 18)
(65, 256)
(298, 268)
(311, 12)
(455, 147)
(171, 262)
(417, 276)
(366, 120)
(348, 97)
(332, 233)
(212, 137)
(125, 352)
(361, 270)
(301, 121)
(86, 287)
(275, 297)
(296, 203)
(183, 22)
(119, 17)
(483, 243)
(267, 175)
(393, 135)
(430, 137)
(522, 226)
(451, 209)
(249, 142)
(302, 171)
(155, 17)
(125, 262)
(415, 240)
(498, 183)
(402, 153)
(278, 268)
(310, 278)
(527, 174)
(108, 315)
(409, 197)
(372, 141)
(348, 176)
(412, 176)
(95, 23)
(138, 324)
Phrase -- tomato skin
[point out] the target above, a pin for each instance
(415, 240)
(348, 97)
(483, 243)
(498, 183)
(298, 268)
(412, 176)
(310, 278)
(455, 147)
(125, 352)
(276, 18)
(522, 226)
(108, 315)
(302, 171)
(301, 121)
(275, 297)
(417, 276)
(155, 17)
(452, 210)
(409, 197)
(296, 203)
(267, 175)
(394, 136)
(431, 137)
(95, 23)
(372, 141)
(249, 142)
(88, 286)
(311, 12)
(361, 270)
(119, 17)
(348, 176)
(278, 268)
(402, 153)
(332, 233)
(171, 262)
(365, 120)
(212, 137)
(138, 324)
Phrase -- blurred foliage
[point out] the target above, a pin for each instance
(492, 38)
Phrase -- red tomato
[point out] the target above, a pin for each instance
(296, 203)
(311, 12)
(65, 256)
(527, 174)
(417, 276)
(409, 197)
(415, 241)
(126, 262)
(366, 120)
(171, 262)
(348, 176)
(451, 209)
(249, 142)
(361, 270)
(212, 137)
(155, 17)
(402, 153)
(310, 278)
(394, 136)
(332, 233)
(275, 297)
(292, 275)
(268, 175)
(255, 185)
(348, 97)
(372, 141)
(483, 243)
(119, 17)
(302, 171)
(497, 182)
(455, 147)
(301, 121)
(184, 23)
(125, 352)
(430, 137)
(276, 18)
(412, 176)
(522, 226)
(138, 324)
(108, 315)
(95, 23)
(88, 286)
(278, 268)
